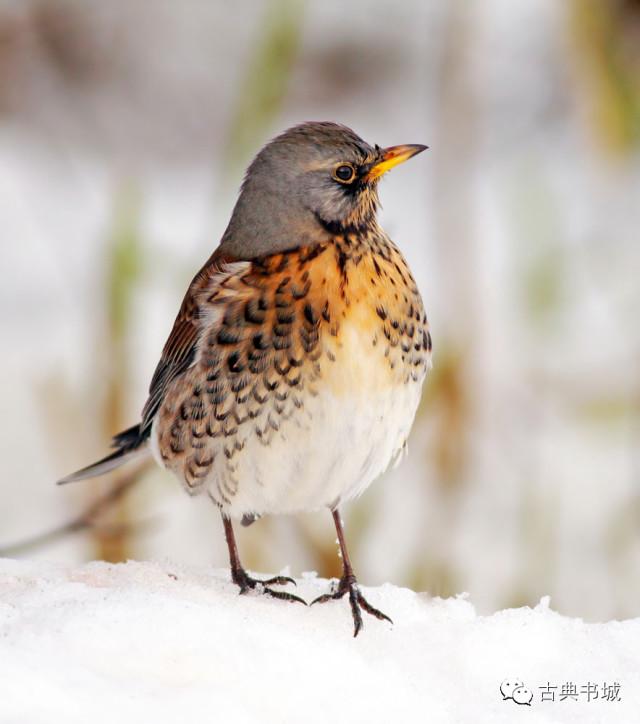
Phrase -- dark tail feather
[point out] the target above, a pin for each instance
(130, 444)
(129, 439)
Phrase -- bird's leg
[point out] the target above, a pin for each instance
(240, 577)
(349, 584)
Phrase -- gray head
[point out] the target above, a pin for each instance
(312, 181)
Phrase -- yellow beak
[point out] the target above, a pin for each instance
(392, 156)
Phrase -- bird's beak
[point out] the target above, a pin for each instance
(392, 156)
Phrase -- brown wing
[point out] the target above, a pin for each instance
(180, 348)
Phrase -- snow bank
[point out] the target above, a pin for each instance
(150, 642)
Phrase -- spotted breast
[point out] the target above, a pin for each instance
(304, 381)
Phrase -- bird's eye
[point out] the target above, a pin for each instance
(344, 173)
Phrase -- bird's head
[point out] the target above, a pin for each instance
(312, 181)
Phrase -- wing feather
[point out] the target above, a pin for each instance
(181, 347)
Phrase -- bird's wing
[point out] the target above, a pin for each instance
(181, 346)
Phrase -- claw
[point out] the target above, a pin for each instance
(247, 583)
(348, 584)
(240, 577)
(279, 581)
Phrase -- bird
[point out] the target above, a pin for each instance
(294, 369)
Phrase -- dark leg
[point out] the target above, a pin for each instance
(244, 580)
(349, 584)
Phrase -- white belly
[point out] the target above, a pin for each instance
(330, 454)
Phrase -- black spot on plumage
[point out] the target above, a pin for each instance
(215, 386)
(381, 312)
(228, 336)
(342, 264)
(259, 263)
(235, 363)
(229, 429)
(284, 263)
(231, 317)
(311, 315)
(271, 385)
(210, 431)
(198, 412)
(176, 447)
(282, 343)
(210, 356)
(258, 362)
(239, 382)
(240, 418)
(286, 316)
(402, 277)
(281, 369)
(283, 301)
(218, 397)
(197, 435)
(257, 396)
(252, 312)
(259, 341)
(300, 292)
(203, 462)
(306, 254)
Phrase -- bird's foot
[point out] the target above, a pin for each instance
(348, 584)
(247, 583)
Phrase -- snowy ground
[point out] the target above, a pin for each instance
(142, 642)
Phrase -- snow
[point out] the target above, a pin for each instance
(163, 642)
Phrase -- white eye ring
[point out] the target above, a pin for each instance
(343, 168)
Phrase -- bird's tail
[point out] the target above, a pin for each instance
(129, 444)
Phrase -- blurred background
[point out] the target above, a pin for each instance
(125, 127)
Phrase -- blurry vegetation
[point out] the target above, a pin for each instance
(267, 73)
(447, 397)
(123, 268)
(607, 38)
(539, 250)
